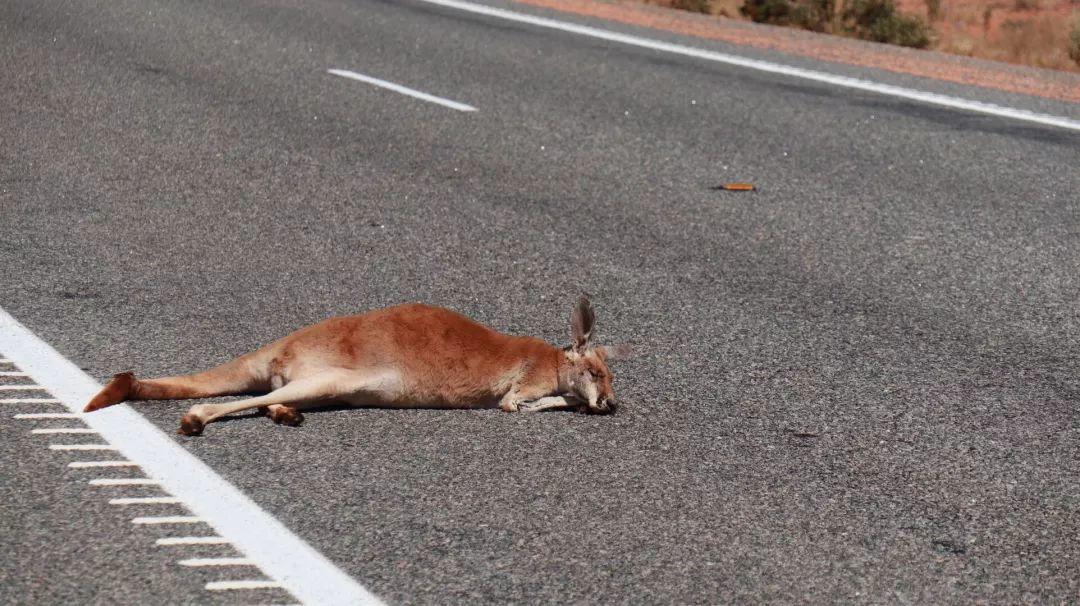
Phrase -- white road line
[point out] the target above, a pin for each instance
(251, 584)
(9, 373)
(192, 541)
(124, 482)
(21, 388)
(47, 415)
(69, 430)
(144, 501)
(217, 562)
(169, 520)
(5, 361)
(29, 401)
(81, 447)
(344, 73)
(292, 564)
(767, 66)
(82, 464)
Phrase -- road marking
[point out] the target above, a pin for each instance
(47, 415)
(292, 564)
(124, 482)
(192, 541)
(81, 447)
(29, 401)
(217, 562)
(5, 361)
(81, 464)
(344, 73)
(252, 584)
(144, 501)
(169, 520)
(53, 430)
(767, 66)
(9, 373)
(21, 388)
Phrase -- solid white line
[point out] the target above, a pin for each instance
(281, 555)
(767, 66)
(144, 501)
(169, 520)
(344, 73)
(52, 430)
(9, 373)
(5, 361)
(192, 541)
(217, 562)
(124, 482)
(29, 401)
(47, 415)
(81, 447)
(21, 388)
(252, 584)
(81, 464)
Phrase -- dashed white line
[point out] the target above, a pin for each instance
(217, 562)
(144, 501)
(292, 564)
(81, 447)
(192, 541)
(169, 520)
(48, 415)
(67, 430)
(82, 464)
(344, 73)
(247, 584)
(766, 66)
(29, 401)
(124, 482)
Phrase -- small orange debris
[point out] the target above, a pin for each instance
(737, 187)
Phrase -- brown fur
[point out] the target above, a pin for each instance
(405, 356)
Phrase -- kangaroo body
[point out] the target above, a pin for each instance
(405, 356)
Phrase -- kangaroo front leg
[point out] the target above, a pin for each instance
(520, 394)
(314, 389)
(550, 403)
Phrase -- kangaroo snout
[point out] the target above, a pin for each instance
(603, 406)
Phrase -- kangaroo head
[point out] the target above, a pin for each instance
(585, 372)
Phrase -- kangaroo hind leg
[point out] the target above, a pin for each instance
(313, 390)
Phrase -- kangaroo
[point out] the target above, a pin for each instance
(407, 356)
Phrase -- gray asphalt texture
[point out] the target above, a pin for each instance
(855, 385)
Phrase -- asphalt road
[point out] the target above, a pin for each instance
(855, 385)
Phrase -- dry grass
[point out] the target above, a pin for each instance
(1027, 32)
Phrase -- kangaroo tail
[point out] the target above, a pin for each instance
(245, 374)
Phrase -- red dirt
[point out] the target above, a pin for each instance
(929, 64)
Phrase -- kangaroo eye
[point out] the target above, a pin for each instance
(594, 374)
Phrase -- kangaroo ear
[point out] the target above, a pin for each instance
(582, 321)
(616, 352)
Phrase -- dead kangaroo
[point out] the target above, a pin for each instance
(407, 356)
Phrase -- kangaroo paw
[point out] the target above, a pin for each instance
(191, 425)
(285, 415)
(118, 390)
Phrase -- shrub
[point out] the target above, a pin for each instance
(1074, 43)
(879, 21)
(697, 6)
(776, 12)
(808, 14)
